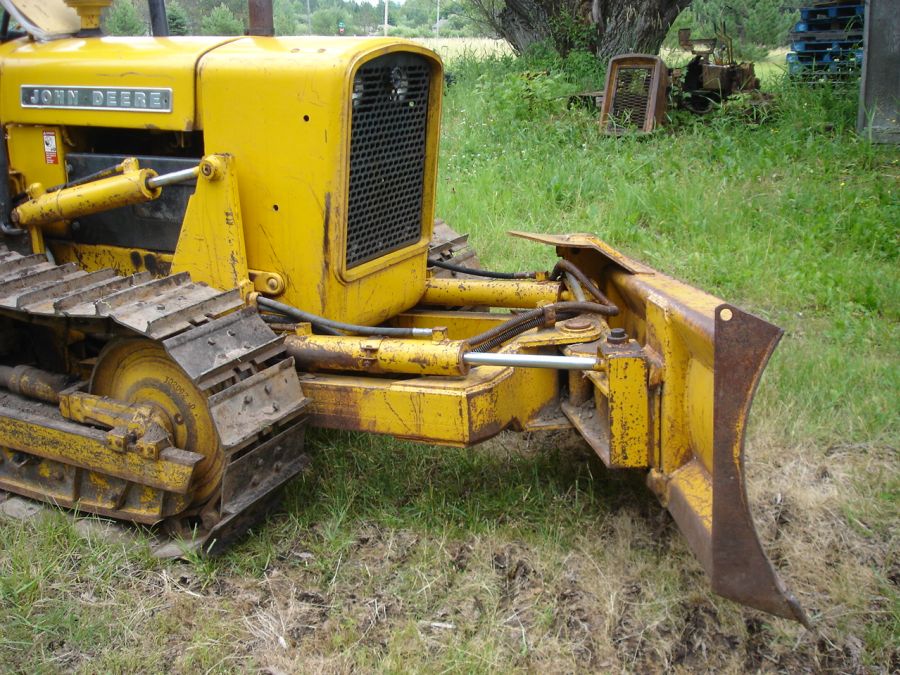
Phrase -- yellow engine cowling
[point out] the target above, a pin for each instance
(311, 127)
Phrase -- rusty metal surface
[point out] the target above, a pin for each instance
(268, 466)
(698, 362)
(635, 94)
(580, 242)
(376, 355)
(268, 397)
(451, 246)
(228, 355)
(740, 569)
(712, 75)
(213, 348)
(262, 20)
(251, 490)
(41, 466)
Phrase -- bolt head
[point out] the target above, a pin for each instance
(617, 336)
(577, 324)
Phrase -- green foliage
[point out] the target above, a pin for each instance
(325, 21)
(527, 95)
(416, 13)
(754, 27)
(221, 21)
(123, 19)
(178, 18)
(413, 18)
(287, 15)
(777, 206)
(532, 88)
(570, 31)
(236, 7)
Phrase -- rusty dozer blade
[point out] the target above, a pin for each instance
(695, 363)
(727, 543)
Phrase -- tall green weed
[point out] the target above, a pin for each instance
(775, 204)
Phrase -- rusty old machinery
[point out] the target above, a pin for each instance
(236, 241)
(640, 87)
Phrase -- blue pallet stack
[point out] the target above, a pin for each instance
(827, 42)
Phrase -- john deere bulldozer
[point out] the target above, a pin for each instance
(211, 243)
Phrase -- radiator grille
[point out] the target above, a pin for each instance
(387, 156)
(631, 97)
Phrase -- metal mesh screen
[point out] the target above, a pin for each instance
(387, 156)
(632, 95)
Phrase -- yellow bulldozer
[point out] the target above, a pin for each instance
(210, 244)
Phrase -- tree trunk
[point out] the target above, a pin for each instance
(605, 27)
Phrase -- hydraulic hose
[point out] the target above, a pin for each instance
(536, 318)
(97, 175)
(480, 273)
(575, 287)
(322, 322)
(281, 318)
(564, 266)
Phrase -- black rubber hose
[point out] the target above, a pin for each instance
(542, 316)
(565, 266)
(97, 175)
(322, 322)
(281, 319)
(480, 273)
(495, 342)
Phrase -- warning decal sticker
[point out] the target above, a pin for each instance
(51, 156)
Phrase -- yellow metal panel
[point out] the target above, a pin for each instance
(457, 412)
(699, 411)
(125, 261)
(288, 103)
(90, 62)
(211, 244)
(53, 17)
(172, 472)
(688, 493)
(679, 326)
(629, 412)
(459, 325)
(29, 157)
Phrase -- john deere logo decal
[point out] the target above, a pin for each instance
(133, 99)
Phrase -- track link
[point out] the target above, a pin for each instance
(231, 356)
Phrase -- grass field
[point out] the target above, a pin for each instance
(525, 555)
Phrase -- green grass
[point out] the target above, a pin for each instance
(792, 215)
(533, 555)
